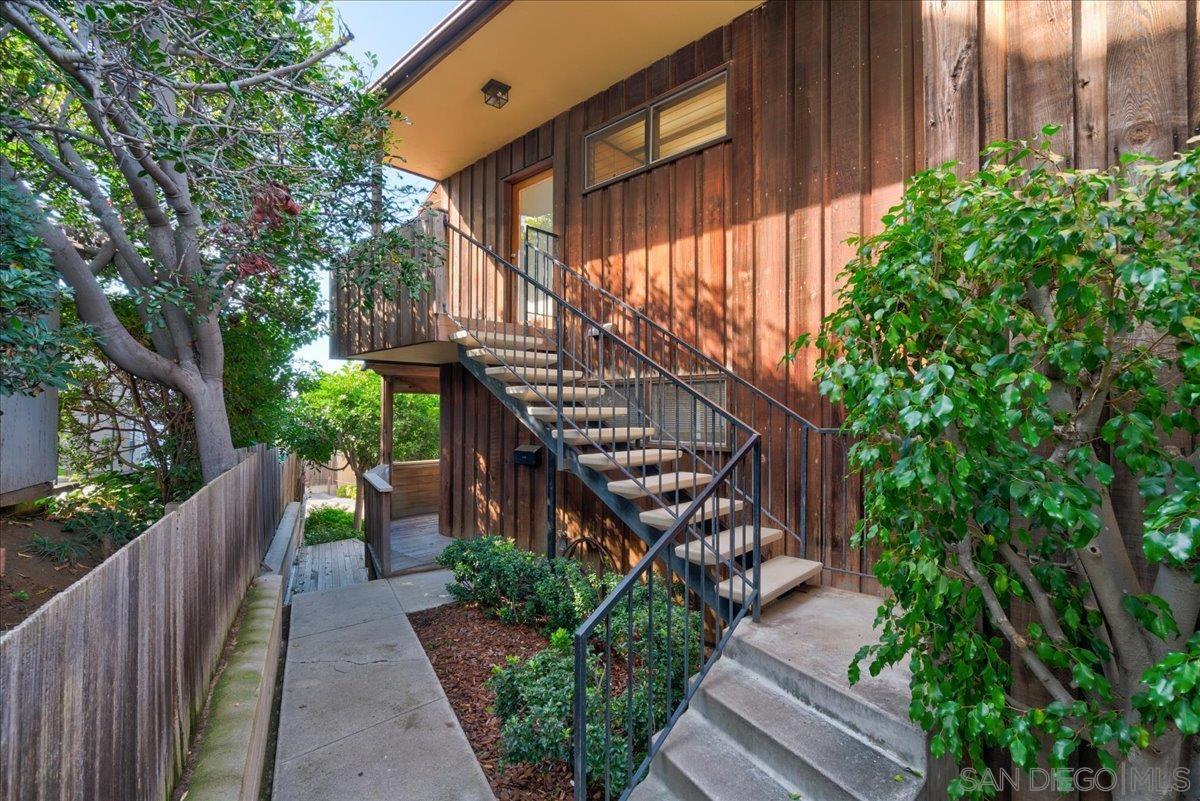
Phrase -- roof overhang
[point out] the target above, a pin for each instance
(552, 54)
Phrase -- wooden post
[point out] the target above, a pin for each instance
(385, 422)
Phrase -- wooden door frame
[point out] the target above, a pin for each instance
(534, 173)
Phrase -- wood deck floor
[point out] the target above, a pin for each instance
(416, 544)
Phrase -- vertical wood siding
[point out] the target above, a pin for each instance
(100, 689)
(738, 248)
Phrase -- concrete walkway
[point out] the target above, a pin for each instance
(363, 715)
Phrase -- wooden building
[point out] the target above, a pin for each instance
(640, 205)
(734, 241)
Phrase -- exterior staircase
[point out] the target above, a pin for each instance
(757, 711)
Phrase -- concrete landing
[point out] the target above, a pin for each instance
(363, 715)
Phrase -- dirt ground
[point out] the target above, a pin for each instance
(29, 581)
(463, 644)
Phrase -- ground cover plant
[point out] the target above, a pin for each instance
(1018, 356)
(534, 695)
(329, 524)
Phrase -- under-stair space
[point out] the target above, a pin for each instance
(777, 719)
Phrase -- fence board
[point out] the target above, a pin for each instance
(100, 688)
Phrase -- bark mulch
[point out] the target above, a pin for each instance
(463, 644)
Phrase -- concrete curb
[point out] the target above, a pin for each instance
(230, 760)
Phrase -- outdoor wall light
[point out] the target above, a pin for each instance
(495, 93)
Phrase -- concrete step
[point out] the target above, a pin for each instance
(663, 519)
(579, 414)
(634, 458)
(799, 745)
(497, 339)
(608, 435)
(778, 575)
(721, 546)
(517, 358)
(530, 374)
(538, 394)
(656, 485)
(805, 644)
(698, 763)
(652, 788)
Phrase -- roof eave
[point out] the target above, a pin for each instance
(458, 25)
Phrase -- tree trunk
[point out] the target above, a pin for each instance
(1152, 774)
(213, 439)
(358, 501)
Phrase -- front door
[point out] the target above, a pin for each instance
(533, 223)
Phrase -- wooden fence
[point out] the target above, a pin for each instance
(100, 688)
(416, 487)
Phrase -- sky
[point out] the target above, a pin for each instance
(386, 29)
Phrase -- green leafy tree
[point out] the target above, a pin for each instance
(337, 414)
(185, 155)
(1018, 355)
(35, 353)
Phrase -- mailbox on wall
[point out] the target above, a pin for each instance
(530, 455)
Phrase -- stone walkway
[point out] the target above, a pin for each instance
(363, 715)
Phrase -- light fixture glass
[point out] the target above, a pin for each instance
(495, 93)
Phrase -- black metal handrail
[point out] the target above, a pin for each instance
(791, 443)
(646, 721)
(592, 349)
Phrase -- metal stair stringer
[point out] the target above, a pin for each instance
(626, 510)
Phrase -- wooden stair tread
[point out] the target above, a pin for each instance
(656, 485)
(536, 394)
(577, 413)
(511, 374)
(663, 519)
(777, 576)
(634, 458)
(717, 548)
(499, 339)
(606, 435)
(520, 358)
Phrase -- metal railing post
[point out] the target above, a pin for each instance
(580, 715)
(756, 502)
(558, 401)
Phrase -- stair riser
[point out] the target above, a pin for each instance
(790, 767)
(901, 740)
(680, 781)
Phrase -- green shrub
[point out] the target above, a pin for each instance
(347, 491)
(518, 586)
(111, 506)
(329, 524)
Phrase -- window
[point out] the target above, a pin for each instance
(617, 149)
(690, 119)
(677, 124)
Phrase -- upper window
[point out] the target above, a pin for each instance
(669, 127)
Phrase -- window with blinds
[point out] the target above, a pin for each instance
(677, 124)
(688, 121)
(616, 150)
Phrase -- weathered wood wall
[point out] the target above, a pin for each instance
(100, 689)
(416, 487)
(734, 248)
